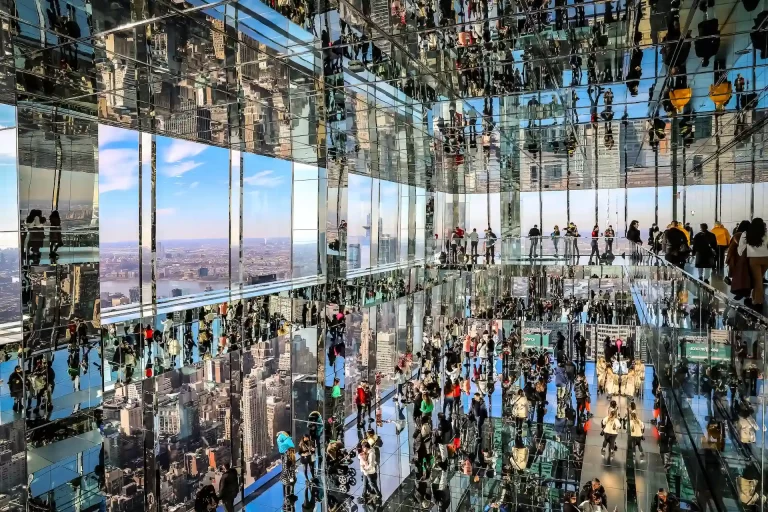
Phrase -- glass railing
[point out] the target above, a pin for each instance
(542, 250)
(710, 358)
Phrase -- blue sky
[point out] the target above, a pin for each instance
(266, 197)
(192, 190)
(9, 204)
(118, 185)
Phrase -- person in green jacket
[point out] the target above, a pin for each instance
(426, 404)
(336, 395)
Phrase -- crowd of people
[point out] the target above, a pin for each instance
(443, 398)
(744, 253)
(568, 238)
(455, 251)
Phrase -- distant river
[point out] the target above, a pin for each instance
(163, 287)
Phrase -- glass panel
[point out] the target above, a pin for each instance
(118, 216)
(359, 224)
(388, 222)
(305, 203)
(192, 218)
(305, 257)
(266, 219)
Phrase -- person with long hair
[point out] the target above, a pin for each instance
(633, 233)
(611, 425)
(738, 265)
(636, 433)
(556, 239)
(755, 247)
(288, 474)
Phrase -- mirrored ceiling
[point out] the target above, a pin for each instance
(460, 96)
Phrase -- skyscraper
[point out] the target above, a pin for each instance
(255, 442)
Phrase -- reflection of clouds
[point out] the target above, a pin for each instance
(111, 135)
(181, 168)
(180, 150)
(263, 179)
(118, 169)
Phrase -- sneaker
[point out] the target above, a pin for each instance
(642, 459)
(602, 450)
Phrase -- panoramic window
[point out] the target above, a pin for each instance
(388, 222)
(192, 218)
(359, 224)
(118, 216)
(305, 221)
(266, 219)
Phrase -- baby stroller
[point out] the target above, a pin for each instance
(342, 474)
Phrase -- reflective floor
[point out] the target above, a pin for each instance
(552, 463)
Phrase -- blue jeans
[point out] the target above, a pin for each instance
(448, 404)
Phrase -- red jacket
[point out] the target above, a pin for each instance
(360, 398)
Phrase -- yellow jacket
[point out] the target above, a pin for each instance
(722, 234)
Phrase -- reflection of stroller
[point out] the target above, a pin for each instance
(341, 472)
(339, 502)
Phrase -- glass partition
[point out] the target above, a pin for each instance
(267, 207)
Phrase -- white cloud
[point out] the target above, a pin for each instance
(112, 135)
(166, 212)
(118, 169)
(8, 143)
(194, 184)
(263, 179)
(180, 168)
(182, 149)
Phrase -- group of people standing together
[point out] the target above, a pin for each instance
(455, 250)
(569, 237)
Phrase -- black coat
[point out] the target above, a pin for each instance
(675, 245)
(478, 409)
(446, 431)
(704, 249)
(205, 497)
(16, 384)
(633, 235)
(229, 485)
(672, 504)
